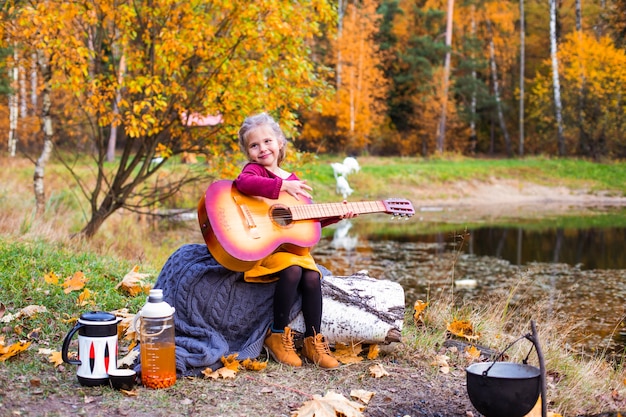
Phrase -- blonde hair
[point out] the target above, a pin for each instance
(257, 120)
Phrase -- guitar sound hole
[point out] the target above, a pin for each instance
(281, 215)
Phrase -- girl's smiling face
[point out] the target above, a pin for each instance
(263, 147)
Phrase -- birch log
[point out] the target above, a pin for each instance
(359, 309)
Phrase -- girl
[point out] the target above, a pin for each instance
(264, 143)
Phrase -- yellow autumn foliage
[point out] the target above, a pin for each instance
(462, 328)
(7, 352)
(74, 283)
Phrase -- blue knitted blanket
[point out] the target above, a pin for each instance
(217, 312)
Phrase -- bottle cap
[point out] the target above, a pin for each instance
(155, 306)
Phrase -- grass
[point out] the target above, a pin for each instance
(380, 175)
(31, 248)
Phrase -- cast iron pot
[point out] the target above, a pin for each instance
(503, 389)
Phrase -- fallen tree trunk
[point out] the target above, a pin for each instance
(359, 309)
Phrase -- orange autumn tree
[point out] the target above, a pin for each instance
(360, 102)
(140, 67)
(604, 114)
(358, 108)
(499, 20)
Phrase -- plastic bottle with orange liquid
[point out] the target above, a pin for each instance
(157, 348)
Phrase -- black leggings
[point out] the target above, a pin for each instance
(309, 284)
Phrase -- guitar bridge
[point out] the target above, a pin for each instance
(252, 228)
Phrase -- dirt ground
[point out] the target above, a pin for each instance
(413, 386)
(277, 391)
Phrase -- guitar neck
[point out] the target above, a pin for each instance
(327, 210)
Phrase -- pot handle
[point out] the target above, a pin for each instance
(501, 354)
(66, 345)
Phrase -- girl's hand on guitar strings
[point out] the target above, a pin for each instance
(295, 188)
(348, 215)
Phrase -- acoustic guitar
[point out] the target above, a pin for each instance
(240, 229)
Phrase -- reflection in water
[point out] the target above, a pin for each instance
(579, 273)
(341, 238)
(591, 248)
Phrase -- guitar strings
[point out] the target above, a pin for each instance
(287, 214)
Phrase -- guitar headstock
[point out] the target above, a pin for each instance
(399, 207)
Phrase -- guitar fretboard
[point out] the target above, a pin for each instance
(321, 211)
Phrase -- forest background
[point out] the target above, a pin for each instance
(126, 86)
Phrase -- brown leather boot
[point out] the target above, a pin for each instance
(281, 347)
(316, 350)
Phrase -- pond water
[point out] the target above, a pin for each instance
(576, 263)
(589, 248)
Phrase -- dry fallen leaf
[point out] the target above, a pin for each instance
(373, 352)
(253, 365)
(418, 309)
(53, 356)
(377, 371)
(56, 358)
(347, 354)
(132, 344)
(133, 283)
(231, 362)
(129, 359)
(209, 373)
(7, 352)
(28, 311)
(126, 325)
(472, 353)
(131, 393)
(224, 373)
(442, 362)
(51, 278)
(330, 405)
(31, 310)
(8, 318)
(362, 395)
(462, 328)
(74, 283)
(84, 298)
(34, 334)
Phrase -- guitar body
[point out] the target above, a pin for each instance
(240, 230)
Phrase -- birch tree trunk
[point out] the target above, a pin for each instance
(446, 78)
(496, 92)
(555, 79)
(359, 309)
(522, 55)
(23, 102)
(38, 178)
(33, 82)
(340, 13)
(13, 106)
(118, 97)
(583, 144)
(473, 136)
